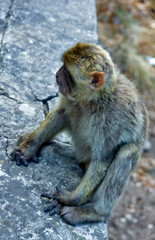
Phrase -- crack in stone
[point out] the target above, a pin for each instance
(6, 147)
(7, 18)
(49, 98)
(5, 94)
(44, 101)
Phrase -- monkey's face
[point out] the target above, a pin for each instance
(76, 88)
(65, 81)
(87, 71)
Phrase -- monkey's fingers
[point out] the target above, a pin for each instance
(24, 161)
(14, 152)
(17, 156)
(46, 195)
(20, 160)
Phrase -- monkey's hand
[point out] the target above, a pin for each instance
(25, 151)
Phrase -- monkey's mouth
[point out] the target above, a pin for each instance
(65, 81)
(64, 90)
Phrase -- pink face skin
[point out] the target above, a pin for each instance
(61, 80)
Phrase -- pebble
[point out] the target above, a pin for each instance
(147, 146)
(123, 220)
(150, 226)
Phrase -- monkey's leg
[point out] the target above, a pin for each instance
(26, 151)
(115, 182)
(94, 175)
(80, 214)
(109, 191)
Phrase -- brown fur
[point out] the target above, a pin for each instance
(108, 125)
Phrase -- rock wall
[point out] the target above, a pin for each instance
(33, 36)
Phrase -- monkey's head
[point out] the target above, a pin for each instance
(88, 71)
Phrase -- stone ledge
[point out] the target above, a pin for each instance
(33, 35)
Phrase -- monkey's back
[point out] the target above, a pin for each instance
(126, 116)
(108, 123)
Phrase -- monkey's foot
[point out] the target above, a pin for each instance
(74, 214)
(62, 196)
(80, 214)
(20, 158)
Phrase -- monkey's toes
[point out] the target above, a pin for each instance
(46, 195)
(50, 196)
(53, 208)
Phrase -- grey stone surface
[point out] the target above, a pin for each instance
(4, 9)
(33, 36)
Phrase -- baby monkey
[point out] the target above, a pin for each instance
(102, 112)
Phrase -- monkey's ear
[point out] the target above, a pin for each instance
(96, 79)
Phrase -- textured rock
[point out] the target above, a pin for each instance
(4, 9)
(33, 35)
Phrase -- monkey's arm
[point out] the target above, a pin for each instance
(54, 123)
(93, 177)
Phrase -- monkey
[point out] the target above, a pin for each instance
(101, 110)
